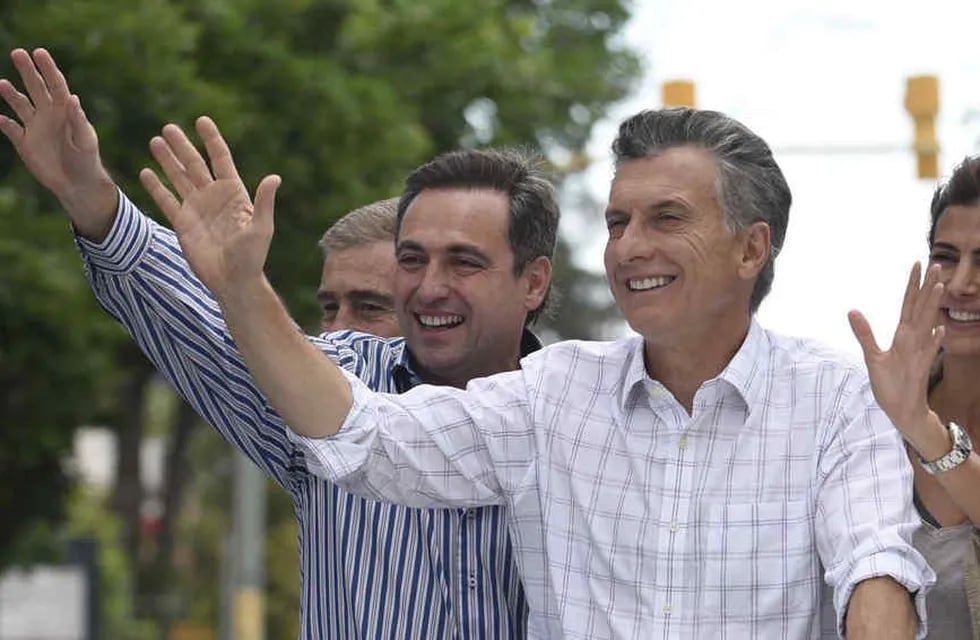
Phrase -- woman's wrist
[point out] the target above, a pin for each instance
(929, 438)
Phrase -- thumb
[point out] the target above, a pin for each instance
(865, 337)
(265, 200)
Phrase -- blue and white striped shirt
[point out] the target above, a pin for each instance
(368, 569)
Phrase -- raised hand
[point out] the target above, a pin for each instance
(900, 375)
(224, 237)
(57, 143)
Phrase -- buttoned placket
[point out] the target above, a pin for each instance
(675, 504)
(468, 524)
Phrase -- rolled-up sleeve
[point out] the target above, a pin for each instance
(432, 446)
(865, 515)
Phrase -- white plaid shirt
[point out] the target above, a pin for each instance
(631, 518)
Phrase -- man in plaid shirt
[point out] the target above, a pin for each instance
(702, 479)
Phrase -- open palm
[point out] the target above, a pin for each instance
(54, 139)
(224, 236)
(900, 375)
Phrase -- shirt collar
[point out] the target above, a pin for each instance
(405, 370)
(744, 372)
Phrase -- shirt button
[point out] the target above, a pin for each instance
(682, 443)
(674, 526)
(667, 609)
(472, 581)
(471, 513)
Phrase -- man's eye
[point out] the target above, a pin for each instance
(615, 227)
(369, 308)
(409, 260)
(942, 258)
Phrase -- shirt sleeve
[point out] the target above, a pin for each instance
(432, 446)
(142, 279)
(865, 516)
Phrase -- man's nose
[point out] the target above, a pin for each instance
(434, 284)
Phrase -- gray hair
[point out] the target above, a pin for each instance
(375, 222)
(751, 187)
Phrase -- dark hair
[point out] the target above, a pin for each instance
(373, 222)
(533, 227)
(751, 187)
(961, 189)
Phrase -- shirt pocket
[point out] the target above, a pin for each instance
(757, 561)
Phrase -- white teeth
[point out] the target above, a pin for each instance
(643, 284)
(440, 321)
(963, 316)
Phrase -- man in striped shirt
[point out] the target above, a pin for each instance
(476, 232)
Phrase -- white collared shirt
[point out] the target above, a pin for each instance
(633, 519)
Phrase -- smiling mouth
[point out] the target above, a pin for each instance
(962, 316)
(439, 322)
(647, 284)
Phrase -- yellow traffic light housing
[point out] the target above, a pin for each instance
(922, 103)
(678, 93)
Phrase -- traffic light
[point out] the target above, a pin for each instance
(678, 93)
(922, 102)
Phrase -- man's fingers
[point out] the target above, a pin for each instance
(265, 201)
(911, 291)
(865, 337)
(82, 131)
(163, 198)
(32, 79)
(187, 154)
(53, 78)
(172, 168)
(13, 131)
(219, 154)
(17, 101)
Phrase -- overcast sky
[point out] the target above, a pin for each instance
(806, 73)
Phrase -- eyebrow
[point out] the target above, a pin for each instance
(656, 206)
(458, 249)
(357, 295)
(945, 246)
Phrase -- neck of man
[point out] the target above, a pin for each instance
(683, 362)
(956, 397)
(460, 376)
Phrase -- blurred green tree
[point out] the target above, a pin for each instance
(340, 97)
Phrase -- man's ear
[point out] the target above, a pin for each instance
(537, 279)
(756, 247)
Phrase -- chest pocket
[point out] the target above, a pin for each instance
(757, 560)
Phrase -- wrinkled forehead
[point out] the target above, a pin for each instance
(683, 173)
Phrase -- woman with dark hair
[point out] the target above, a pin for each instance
(928, 383)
